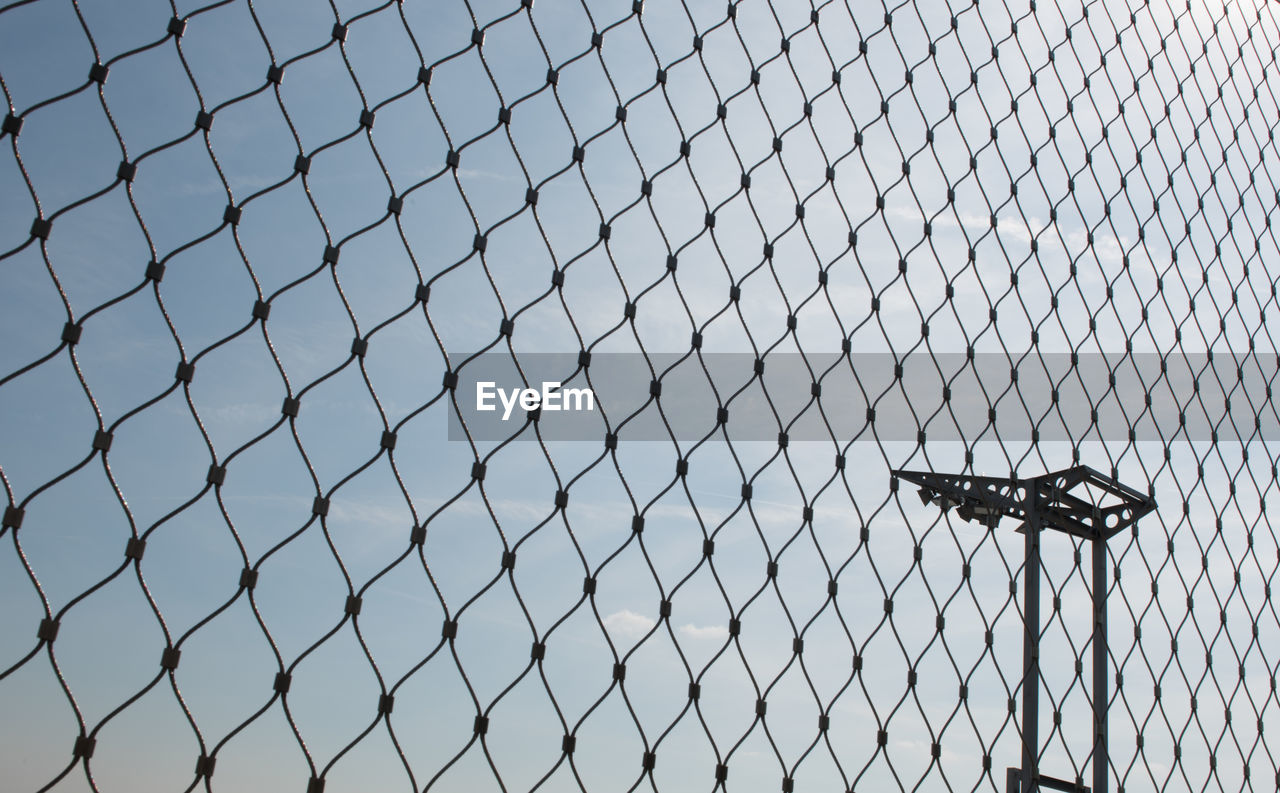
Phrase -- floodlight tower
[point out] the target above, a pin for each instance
(1099, 508)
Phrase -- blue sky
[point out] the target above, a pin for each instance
(1091, 234)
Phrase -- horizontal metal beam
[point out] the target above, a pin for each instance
(1013, 783)
(1060, 784)
(988, 498)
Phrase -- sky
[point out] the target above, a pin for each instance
(1023, 180)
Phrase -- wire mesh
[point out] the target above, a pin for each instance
(251, 250)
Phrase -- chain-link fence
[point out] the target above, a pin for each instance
(261, 261)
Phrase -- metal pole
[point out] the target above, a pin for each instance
(1031, 646)
(1100, 666)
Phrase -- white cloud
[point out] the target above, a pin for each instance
(692, 631)
(627, 623)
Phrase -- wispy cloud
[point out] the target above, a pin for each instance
(628, 624)
(477, 173)
(631, 625)
(717, 632)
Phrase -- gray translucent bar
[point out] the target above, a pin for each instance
(874, 396)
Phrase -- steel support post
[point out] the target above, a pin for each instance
(1031, 646)
(1101, 697)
